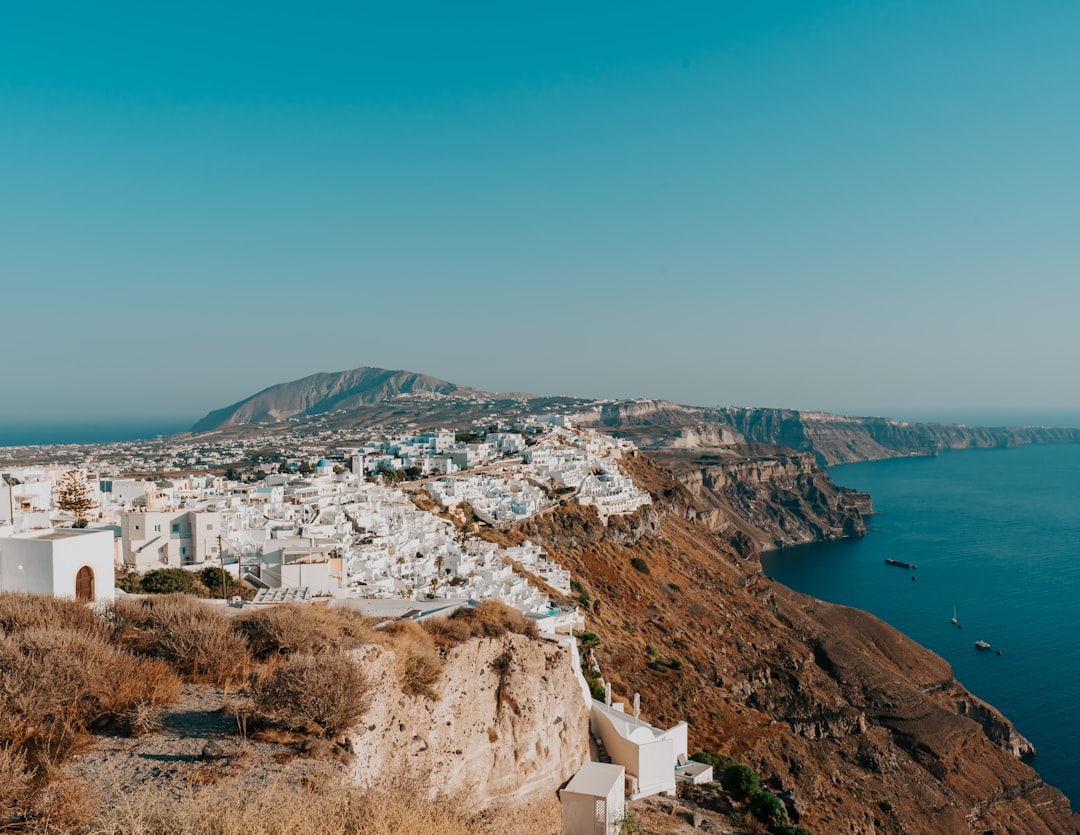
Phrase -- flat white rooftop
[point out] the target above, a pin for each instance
(596, 779)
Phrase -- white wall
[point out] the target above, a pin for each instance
(646, 752)
(47, 562)
(595, 782)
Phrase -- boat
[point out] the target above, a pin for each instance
(981, 644)
(899, 563)
(954, 614)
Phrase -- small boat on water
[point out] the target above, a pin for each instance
(899, 563)
(954, 614)
(981, 644)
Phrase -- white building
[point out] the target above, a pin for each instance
(592, 802)
(649, 754)
(67, 562)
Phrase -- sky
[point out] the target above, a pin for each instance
(860, 207)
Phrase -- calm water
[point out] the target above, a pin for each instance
(997, 534)
(45, 432)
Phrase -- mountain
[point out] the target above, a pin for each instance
(327, 392)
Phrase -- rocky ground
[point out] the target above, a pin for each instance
(202, 740)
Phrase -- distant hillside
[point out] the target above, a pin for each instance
(833, 439)
(327, 392)
(368, 396)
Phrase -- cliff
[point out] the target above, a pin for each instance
(760, 497)
(832, 439)
(869, 731)
(509, 722)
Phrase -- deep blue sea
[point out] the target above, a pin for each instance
(86, 432)
(995, 533)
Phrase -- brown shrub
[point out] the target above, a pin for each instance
(490, 619)
(419, 667)
(448, 632)
(55, 683)
(19, 612)
(293, 628)
(16, 783)
(329, 690)
(194, 638)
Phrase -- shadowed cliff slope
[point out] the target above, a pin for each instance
(870, 730)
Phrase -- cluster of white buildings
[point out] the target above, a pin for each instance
(349, 530)
(564, 464)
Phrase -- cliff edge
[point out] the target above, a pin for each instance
(868, 730)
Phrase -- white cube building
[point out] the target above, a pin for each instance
(66, 562)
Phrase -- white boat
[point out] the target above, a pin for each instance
(954, 614)
(981, 644)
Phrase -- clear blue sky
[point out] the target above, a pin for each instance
(866, 207)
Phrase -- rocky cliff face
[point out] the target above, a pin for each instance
(762, 497)
(869, 731)
(832, 439)
(509, 723)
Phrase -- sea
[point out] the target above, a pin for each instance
(32, 433)
(995, 534)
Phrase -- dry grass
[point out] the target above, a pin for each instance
(56, 683)
(329, 691)
(19, 612)
(491, 619)
(194, 638)
(401, 806)
(419, 668)
(59, 678)
(292, 628)
(121, 665)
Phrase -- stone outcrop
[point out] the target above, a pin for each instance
(509, 722)
(761, 497)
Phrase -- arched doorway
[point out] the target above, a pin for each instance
(84, 584)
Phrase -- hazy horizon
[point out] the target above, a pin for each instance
(854, 208)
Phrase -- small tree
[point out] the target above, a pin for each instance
(215, 579)
(73, 496)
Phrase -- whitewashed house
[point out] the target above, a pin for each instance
(592, 802)
(650, 755)
(66, 562)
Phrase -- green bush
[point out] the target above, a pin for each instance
(640, 565)
(767, 808)
(718, 761)
(168, 581)
(211, 577)
(788, 829)
(740, 781)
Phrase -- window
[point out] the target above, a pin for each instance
(210, 526)
(157, 528)
(176, 528)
